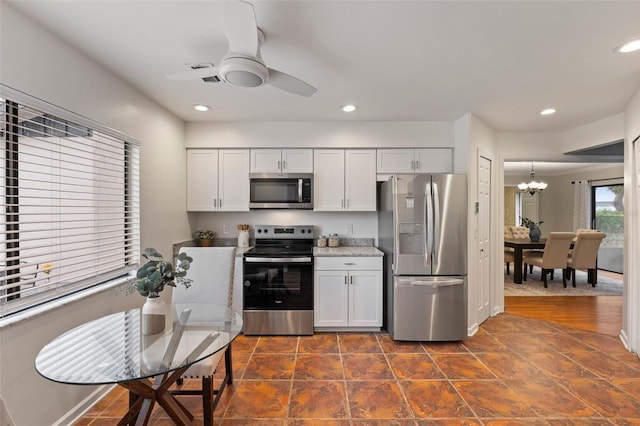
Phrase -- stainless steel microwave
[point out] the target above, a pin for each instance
(281, 191)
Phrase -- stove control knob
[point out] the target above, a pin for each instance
(259, 231)
(309, 231)
(302, 231)
(266, 231)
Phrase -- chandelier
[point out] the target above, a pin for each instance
(532, 187)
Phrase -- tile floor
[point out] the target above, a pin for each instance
(514, 371)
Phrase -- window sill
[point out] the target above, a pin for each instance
(37, 311)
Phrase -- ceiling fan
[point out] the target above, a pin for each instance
(242, 66)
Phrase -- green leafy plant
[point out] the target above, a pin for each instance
(529, 223)
(205, 235)
(157, 273)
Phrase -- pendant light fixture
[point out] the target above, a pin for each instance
(532, 187)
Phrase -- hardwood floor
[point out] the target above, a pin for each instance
(600, 314)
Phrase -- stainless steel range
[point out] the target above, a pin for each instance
(278, 281)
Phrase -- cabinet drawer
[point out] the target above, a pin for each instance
(348, 263)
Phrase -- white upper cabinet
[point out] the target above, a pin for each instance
(281, 161)
(217, 180)
(427, 160)
(344, 180)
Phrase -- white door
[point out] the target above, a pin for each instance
(484, 239)
(328, 180)
(330, 298)
(234, 180)
(297, 160)
(202, 180)
(395, 161)
(360, 180)
(433, 160)
(365, 298)
(266, 161)
(529, 208)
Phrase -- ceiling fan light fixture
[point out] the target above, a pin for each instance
(201, 107)
(548, 111)
(243, 72)
(348, 108)
(628, 47)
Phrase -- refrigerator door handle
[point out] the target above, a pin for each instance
(428, 223)
(428, 283)
(436, 223)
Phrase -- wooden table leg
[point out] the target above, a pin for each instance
(517, 265)
(147, 394)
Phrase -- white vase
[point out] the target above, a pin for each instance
(243, 238)
(153, 316)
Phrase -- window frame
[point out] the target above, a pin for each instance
(130, 176)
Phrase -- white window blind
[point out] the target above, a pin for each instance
(70, 206)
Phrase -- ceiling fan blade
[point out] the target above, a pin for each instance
(289, 83)
(195, 74)
(241, 27)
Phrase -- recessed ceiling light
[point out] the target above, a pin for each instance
(201, 107)
(630, 46)
(348, 108)
(547, 111)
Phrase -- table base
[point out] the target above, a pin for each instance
(143, 394)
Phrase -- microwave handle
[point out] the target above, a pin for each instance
(300, 184)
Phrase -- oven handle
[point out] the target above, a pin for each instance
(278, 259)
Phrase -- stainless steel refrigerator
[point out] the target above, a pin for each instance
(422, 228)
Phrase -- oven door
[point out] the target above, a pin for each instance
(278, 283)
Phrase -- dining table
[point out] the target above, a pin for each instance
(113, 349)
(520, 244)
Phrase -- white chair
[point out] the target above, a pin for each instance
(554, 256)
(212, 275)
(585, 254)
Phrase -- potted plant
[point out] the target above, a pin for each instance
(534, 228)
(151, 279)
(205, 237)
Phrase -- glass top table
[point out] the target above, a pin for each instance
(113, 349)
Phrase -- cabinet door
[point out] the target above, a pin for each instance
(434, 160)
(266, 161)
(365, 298)
(297, 160)
(395, 161)
(328, 180)
(202, 180)
(360, 180)
(234, 180)
(331, 292)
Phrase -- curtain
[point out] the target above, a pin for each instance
(582, 205)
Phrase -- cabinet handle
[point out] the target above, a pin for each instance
(345, 280)
(220, 202)
(413, 165)
(215, 202)
(351, 280)
(284, 165)
(417, 164)
(279, 165)
(349, 263)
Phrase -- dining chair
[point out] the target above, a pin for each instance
(508, 258)
(212, 274)
(554, 256)
(520, 232)
(585, 254)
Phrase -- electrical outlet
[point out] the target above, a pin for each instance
(225, 230)
(350, 229)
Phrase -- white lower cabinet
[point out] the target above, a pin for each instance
(348, 292)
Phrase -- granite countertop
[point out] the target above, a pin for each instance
(347, 251)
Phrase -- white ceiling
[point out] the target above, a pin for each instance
(397, 60)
